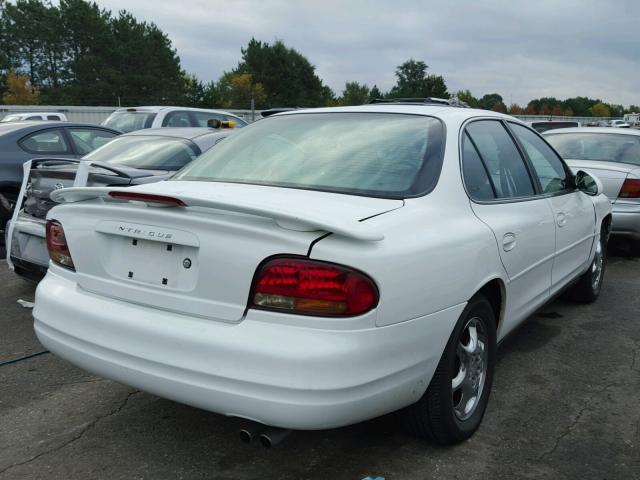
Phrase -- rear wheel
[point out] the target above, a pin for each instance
(452, 408)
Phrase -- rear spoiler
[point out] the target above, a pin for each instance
(317, 221)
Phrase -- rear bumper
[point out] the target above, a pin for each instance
(28, 244)
(276, 374)
(626, 220)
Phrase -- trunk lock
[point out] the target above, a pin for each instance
(186, 263)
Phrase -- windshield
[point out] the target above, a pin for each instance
(146, 152)
(597, 146)
(129, 121)
(375, 154)
(544, 126)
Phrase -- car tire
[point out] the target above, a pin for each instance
(588, 287)
(444, 414)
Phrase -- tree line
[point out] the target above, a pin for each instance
(76, 53)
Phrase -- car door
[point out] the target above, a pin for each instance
(573, 210)
(504, 198)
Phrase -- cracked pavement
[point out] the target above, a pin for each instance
(565, 405)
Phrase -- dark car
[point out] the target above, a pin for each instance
(22, 141)
(143, 156)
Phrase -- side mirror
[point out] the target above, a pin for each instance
(587, 183)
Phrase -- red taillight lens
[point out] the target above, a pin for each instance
(313, 288)
(57, 245)
(630, 188)
(148, 198)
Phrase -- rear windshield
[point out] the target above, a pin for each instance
(146, 152)
(373, 154)
(597, 146)
(129, 121)
(544, 126)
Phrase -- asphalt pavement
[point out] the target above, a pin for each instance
(565, 405)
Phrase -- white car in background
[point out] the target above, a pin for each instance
(137, 118)
(323, 267)
(34, 116)
(613, 155)
(619, 124)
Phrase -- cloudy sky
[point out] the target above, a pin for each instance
(521, 49)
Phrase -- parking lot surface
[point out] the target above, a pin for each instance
(565, 405)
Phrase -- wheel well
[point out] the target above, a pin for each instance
(494, 292)
(606, 224)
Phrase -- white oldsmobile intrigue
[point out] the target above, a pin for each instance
(327, 266)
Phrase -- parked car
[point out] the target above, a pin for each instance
(34, 116)
(619, 124)
(137, 118)
(134, 158)
(613, 155)
(22, 141)
(544, 125)
(327, 266)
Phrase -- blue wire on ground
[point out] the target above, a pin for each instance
(25, 357)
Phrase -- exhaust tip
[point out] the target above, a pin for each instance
(265, 441)
(245, 436)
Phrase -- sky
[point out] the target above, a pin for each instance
(521, 49)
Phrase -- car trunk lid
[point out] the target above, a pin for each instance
(200, 259)
(611, 174)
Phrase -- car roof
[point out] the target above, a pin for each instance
(614, 131)
(156, 109)
(188, 133)
(440, 111)
(28, 126)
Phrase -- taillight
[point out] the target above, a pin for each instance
(630, 188)
(57, 245)
(148, 198)
(297, 285)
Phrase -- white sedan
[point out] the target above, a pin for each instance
(324, 267)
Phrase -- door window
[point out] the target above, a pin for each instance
(547, 166)
(53, 117)
(476, 178)
(88, 139)
(502, 160)
(47, 141)
(177, 119)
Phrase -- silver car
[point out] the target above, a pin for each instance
(613, 155)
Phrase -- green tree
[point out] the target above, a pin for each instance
(466, 97)
(354, 94)
(600, 110)
(20, 91)
(375, 93)
(287, 76)
(413, 82)
(236, 90)
(488, 101)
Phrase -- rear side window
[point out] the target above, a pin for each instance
(507, 170)
(88, 139)
(476, 178)
(546, 164)
(48, 141)
(177, 119)
(129, 121)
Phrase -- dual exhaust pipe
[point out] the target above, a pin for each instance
(267, 436)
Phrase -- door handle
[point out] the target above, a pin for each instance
(561, 219)
(508, 241)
